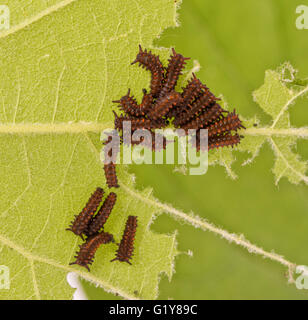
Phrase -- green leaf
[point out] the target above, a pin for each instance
(275, 97)
(61, 66)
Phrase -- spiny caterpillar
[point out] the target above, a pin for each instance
(97, 222)
(174, 70)
(111, 175)
(164, 104)
(126, 246)
(80, 224)
(152, 63)
(87, 250)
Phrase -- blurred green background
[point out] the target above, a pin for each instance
(235, 42)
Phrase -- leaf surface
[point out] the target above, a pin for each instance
(62, 63)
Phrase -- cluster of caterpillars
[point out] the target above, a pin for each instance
(90, 223)
(196, 107)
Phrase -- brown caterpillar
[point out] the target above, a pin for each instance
(173, 72)
(147, 101)
(129, 105)
(98, 221)
(205, 101)
(193, 90)
(205, 118)
(137, 123)
(111, 175)
(87, 251)
(228, 123)
(152, 63)
(216, 142)
(164, 104)
(126, 246)
(80, 224)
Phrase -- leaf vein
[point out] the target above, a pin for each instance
(85, 275)
(36, 18)
(35, 286)
(280, 154)
(286, 106)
